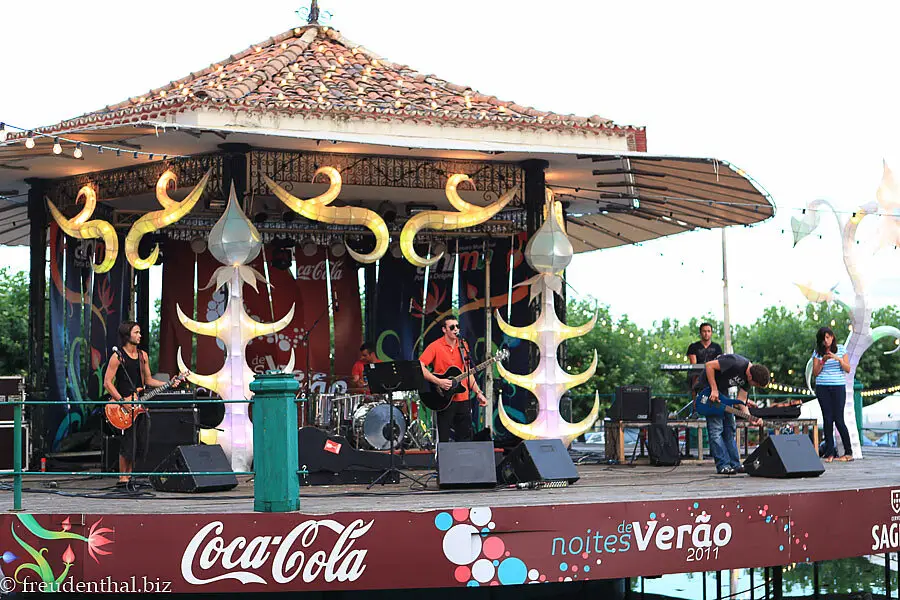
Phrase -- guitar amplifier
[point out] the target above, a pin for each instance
(169, 428)
(12, 388)
(632, 403)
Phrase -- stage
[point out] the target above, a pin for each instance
(616, 521)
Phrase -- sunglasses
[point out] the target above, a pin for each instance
(453, 327)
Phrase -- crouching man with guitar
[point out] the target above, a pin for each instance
(130, 381)
(441, 355)
(729, 370)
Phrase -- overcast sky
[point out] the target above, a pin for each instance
(801, 96)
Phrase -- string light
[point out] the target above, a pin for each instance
(58, 141)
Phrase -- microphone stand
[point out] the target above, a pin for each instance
(307, 393)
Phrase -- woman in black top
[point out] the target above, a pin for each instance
(135, 375)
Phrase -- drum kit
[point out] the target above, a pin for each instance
(371, 421)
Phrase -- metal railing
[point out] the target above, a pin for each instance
(18, 474)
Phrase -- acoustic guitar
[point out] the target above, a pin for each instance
(122, 416)
(438, 399)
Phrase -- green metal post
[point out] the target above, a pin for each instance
(276, 485)
(17, 454)
(857, 407)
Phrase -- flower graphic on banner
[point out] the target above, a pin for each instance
(41, 565)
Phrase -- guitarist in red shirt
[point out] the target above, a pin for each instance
(440, 355)
(136, 376)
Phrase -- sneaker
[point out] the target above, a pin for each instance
(727, 471)
(740, 470)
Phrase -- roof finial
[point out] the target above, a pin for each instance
(313, 18)
(313, 15)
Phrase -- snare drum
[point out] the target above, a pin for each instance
(372, 426)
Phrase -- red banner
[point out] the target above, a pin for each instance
(465, 546)
(307, 294)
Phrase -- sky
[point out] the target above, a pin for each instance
(800, 95)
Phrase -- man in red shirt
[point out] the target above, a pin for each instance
(367, 356)
(440, 355)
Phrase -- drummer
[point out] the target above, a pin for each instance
(367, 356)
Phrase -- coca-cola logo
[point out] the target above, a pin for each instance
(317, 272)
(283, 558)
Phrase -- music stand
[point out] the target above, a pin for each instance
(387, 378)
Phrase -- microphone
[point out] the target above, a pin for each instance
(115, 350)
(334, 302)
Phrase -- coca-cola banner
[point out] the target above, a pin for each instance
(468, 545)
(307, 335)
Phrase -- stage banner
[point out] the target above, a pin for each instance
(401, 305)
(109, 304)
(464, 546)
(394, 330)
(347, 315)
(311, 322)
(472, 318)
(177, 289)
(56, 376)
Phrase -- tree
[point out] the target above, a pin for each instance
(14, 304)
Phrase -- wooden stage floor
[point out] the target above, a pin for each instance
(599, 484)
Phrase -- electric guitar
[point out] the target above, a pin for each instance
(122, 416)
(438, 399)
(725, 404)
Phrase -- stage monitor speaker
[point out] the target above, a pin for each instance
(538, 463)
(632, 403)
(659, 412)
(784, 456)
(195, 459)
(466, 465)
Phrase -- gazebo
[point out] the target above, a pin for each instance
(281, 109)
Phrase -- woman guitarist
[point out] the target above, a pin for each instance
(441, 354)
(135, 441)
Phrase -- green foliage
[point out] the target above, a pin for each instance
(13, 322)
(780, 339)
(153, 342)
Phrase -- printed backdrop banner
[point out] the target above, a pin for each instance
(472, 319)
(394, 328)
(466, 546)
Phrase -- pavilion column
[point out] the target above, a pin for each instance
(142, 310)
(37, 310)
(234, 170)
(371, 316)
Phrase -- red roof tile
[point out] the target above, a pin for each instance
(315, 72)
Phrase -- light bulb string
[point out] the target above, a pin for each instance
(79, 144)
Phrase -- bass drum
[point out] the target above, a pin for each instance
(372, 426)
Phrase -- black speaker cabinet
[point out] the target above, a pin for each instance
(784, 456)
(538, 461)
(659, 412)
(12, 389)
(194, 459)
(466, 465)
(632, 403)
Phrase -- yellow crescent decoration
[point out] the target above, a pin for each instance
(317, 209)
(468, 215)
(79, 227)
(154, 221)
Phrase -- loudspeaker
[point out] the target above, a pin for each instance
(538, 462)
(632, 403)
(169, 428)
(194, 459)
(659, 412)
(786, 456)
(466, 465)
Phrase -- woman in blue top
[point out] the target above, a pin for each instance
(830, 362)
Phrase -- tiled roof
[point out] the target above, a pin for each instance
(315, 72)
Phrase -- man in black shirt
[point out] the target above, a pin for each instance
(728, 370)
(702, 351)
